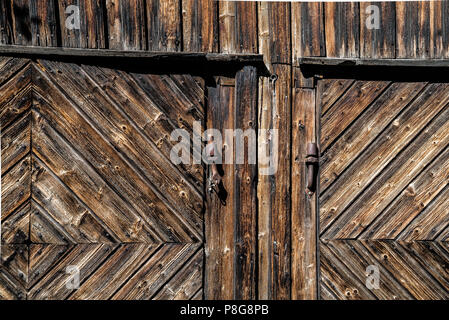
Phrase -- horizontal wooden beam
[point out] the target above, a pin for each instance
(375, 69)
(341, 62)
(206, 61)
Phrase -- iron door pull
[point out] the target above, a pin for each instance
(312, 163)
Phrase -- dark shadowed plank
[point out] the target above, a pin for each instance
(164, 25)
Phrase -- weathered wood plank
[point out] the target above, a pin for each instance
(384, 188)
(245, 209)
(15, 229)
(342, 25)
(237, 26)
(91, 28)
(439, 33)
(125, 20)
(145, 284)
(6, 28)
(377, 41)
(385, 148)
(53, 285)
(66, 211)
(116, 270)
(303, 219)
(331, 91)
(151, 172)
(220, 218)
(413, 26)
(16, 186)
(365, 129)
(43, 23)
(21, 22)
(15, 142)
(164, 25)
(344, 111)
(308, 37)
(14, 265)
(186, 282)
(419, 193)
(200, 25)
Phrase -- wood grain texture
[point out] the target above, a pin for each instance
(342, 25)
(308, 36)
(91, 32)
(164, 25)
(200, 25)
(304, 219)
(126, 25)
(70, 197)
(377, 42)
(237, 26)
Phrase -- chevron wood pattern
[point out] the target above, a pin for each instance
(384, 196)
(87, 181)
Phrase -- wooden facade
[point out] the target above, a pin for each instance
(382, 193)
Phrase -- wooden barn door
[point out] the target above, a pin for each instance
(384, 193)
(88, 188)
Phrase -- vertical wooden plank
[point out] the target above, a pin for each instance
(238, 26)
(342, 25)
(125, 24)
(5, 23)
(307, 30)
(219, 220)
(304, 260)
(439, 28)
(43, 23)
(245, 189)
(377, 43)
(91, 31)
(21, 22)
(164, 25)
(413, 26)
(274, 190)
(200, 25)
(280, 39)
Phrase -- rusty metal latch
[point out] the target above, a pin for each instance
(215, 177)
(312, 163)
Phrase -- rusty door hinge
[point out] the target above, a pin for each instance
(312, 164)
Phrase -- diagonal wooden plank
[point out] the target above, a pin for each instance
(45, 229)
(431, 221)
(412, 201)
(53, 285)
(16, 83)
(332, 91)
(395, 178)
(10, 287)
(356, 258)
(66, 210)
(160, 175)
(433, 258)
(340, 279)
(186, 282)
(157, 217)
(344, 111)
(114, 272)
(15, 142)
(13, 108)
(156, 271)
(15, 229)
(80, 177)
(364, 130)
(399, 262)
(16, 186)
(9, 66)
(14, 261)
(127, 95)
(382, 151)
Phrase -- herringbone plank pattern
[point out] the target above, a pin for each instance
(384, 186)
(87, 181)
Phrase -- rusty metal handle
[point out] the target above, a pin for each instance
(215, 177)
(312, 162)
